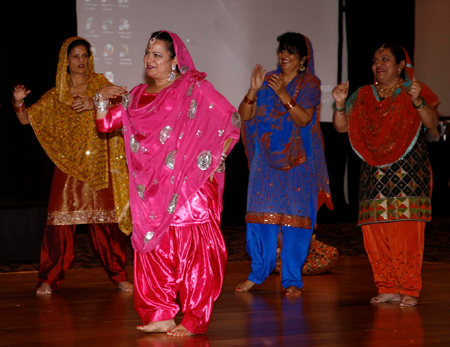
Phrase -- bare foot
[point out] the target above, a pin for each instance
(408, 301)
(157, 327)
(385, 297)
(125, 286)
(244, 286)
(179, 331)
(44, 288)
(293, 291)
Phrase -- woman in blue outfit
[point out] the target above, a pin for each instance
(288, 176)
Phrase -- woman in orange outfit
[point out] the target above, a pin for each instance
(384, 122)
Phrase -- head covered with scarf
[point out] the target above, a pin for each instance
(382, 131)
(176, 144)
(71, 140)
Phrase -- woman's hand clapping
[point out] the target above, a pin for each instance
(277, 83)
(258, 76)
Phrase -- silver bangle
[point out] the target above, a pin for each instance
(221, 167)
(101, 105)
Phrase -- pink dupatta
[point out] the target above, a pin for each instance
(174, 145)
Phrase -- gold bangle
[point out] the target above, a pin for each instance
(248, 101)
(290, 105)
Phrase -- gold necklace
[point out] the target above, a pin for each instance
(385, 92)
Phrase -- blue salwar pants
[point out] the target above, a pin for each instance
(262, 248)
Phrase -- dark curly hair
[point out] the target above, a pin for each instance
(293, 43)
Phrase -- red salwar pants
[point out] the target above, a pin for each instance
(190, 259)
(57, 252)
(395, 251)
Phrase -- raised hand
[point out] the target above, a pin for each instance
(82, 103)
(414, 90)
(276, 82)
(258, 76)
(340, 93)
(20, 93)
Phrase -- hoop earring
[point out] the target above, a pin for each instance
(172, 74)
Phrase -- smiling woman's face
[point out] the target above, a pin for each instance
(157, 60)
(289, 62)
(384, 67)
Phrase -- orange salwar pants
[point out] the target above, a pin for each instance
(395, 250)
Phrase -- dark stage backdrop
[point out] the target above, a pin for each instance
(32, 33)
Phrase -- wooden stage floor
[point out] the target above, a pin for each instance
(333, 311)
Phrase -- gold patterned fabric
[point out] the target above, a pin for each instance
(288, 220)
(321, 257)
(73, 202)
(72, 142)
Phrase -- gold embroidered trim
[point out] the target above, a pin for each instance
(278, 219)
(81, 217)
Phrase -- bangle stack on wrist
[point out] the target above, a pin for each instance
(221, 167)
(290, 105)
(101, 105)
(338, 110)
(421, 106)
(19, 109)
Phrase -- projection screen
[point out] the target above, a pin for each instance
(225, 38)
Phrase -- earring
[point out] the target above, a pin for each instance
(302, 67)
(172, 74)
(399, 71)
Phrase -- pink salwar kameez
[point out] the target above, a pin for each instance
(174, 149)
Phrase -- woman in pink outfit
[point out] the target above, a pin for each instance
(178, 132)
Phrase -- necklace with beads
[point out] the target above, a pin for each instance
(386, 92)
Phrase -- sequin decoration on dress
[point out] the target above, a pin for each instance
(192, 109)
(204, 160)
(170, 159)
(134, 145)
(165, 134)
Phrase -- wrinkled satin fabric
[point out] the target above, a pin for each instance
(190, 259)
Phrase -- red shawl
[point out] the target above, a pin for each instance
(383, 131)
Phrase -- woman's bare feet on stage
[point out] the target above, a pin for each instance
(244, 286)
(125, 286)
(163, 326)
(44, 288)
(179, 331)
(408, 301)
(293, 291)
(385, 297)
